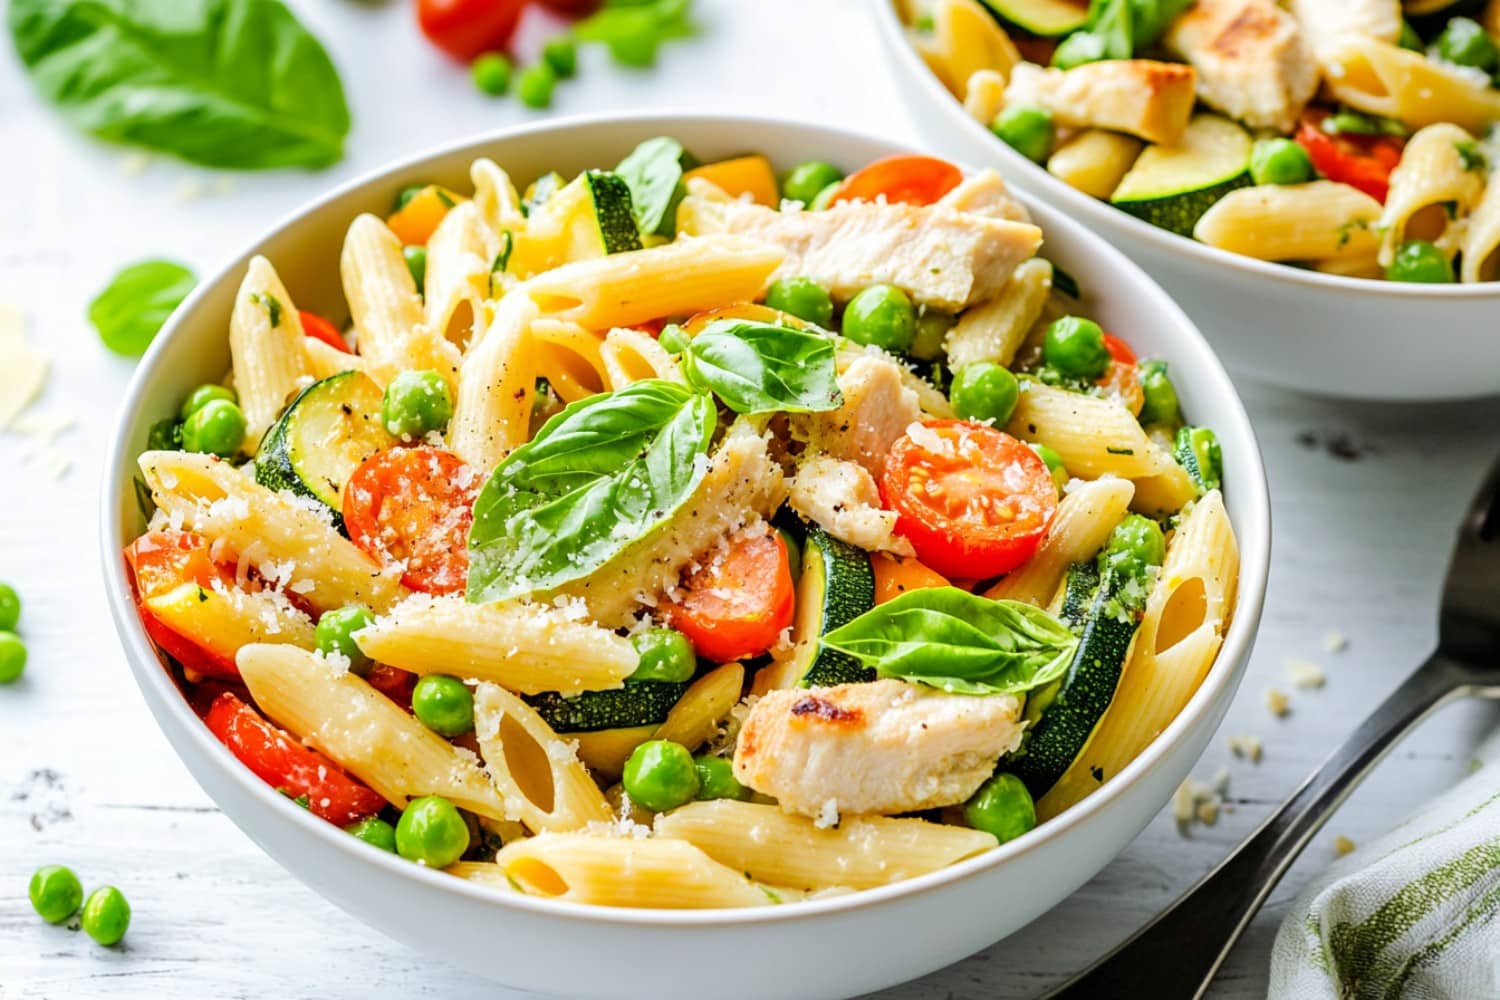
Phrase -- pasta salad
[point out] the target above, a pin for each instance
(678, 535)
(1353, 137)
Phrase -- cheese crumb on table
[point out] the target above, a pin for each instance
(1246, 746)
(1278, 702)
(1343, 845)
(25, 369)
(1305, 674)
(1197, 801)
(1335, 641)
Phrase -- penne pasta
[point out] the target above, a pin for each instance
(569, 357)
(705, 705)
(1094, 161)
(265, 348)
(460, 255)
(1095, 436)
(965, 40)
(1481, 240)
(290, 541)
(1318, 220)
(528, 648)
(1086, 516)
(785, 850)
(362, 730)
(1381, 78)
(1433, 190)
(993, 331)
(383, 300)
(629, 356)
(539, 776)
(496, 387)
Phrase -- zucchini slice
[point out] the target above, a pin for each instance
(1172, 186)
(1066, 715)
(1048, 18)
(638, 703)
(837, 586)
(327, 430)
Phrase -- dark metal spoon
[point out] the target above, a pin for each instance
(1176, 955)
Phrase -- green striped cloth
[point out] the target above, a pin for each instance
(1415, 914)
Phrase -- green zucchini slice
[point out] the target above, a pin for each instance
(1172, 186)
(1048, 18)
(638, 703)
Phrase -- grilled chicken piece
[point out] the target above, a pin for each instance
(986, 194)
(1322, 21)
(885, 747)
(1251, 60)
(1145, 98)
(878, 407)
(842, 498)
(938, 255)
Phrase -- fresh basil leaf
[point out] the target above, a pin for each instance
(958, 642)
(226, 83)
(596, 478)
(653, 171)
(137, 301)
(761, 367)
(1150, 19)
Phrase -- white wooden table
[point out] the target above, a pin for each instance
(85, 779)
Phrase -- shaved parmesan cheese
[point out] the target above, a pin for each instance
(23, 371)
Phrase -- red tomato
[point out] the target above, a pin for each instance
(318, 328)
(414, 505)
(913, 180)
(571, 7)
(161, 561)
(395, 684)
(466, 29)
(1122, 379)
(973, 501)
(1361, 161)
(282, 762)
(740, 601)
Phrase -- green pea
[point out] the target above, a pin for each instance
(1055, 464)
(335, 634)
(665, 655)
(660, 775)
(416, 263)
(165, 435)
(1348, 122)
(561, 53)
(431, 832)
(1421, 262)
(55, 893)
(1075, 347)
(716, 779)
(106, 915)
(202, 396)
(1136, 543)
(1464, 42)
(10, 608)
(984, 391)
(218, 428)
(374, 831)
(803, 298)
(1027, 129)
(416, 403)
(1161, 405)
(673, 339)
(1409, 38)
(12, 657)
(535, 85)
(881, 315)
(491, 73)
(443, 704)
(405, 195)
(1003, 807)
(806, 180)
(1279, 161)
(932, 330)
(822, 198)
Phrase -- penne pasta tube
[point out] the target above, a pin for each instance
(1318, 220)
(265, 348)
(1433, 188)
(1084, 519)
(1381, 78)
(496, 388)
(705, 705)
(1095, 437)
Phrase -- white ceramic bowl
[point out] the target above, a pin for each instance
(1301, 329)
(827, 948)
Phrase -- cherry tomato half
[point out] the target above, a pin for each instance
(466, 29)
(1122, 378)
(1361, 161)
(739, 602)
(912, 180)
(414, 505)
(974, 501)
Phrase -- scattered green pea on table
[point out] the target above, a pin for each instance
(55, 893)
(535, 84)
(106, 915)
(491, 73)
(12, 647)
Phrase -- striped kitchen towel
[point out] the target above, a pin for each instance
(1414, 914)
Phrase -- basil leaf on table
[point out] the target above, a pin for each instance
(761, 367)
(653, 171)
(958, 642)
(596, 478)
(225, 83)
(132, 308)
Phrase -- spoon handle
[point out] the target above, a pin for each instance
(1176, 955)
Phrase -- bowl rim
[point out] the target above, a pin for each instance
(1101, 213)
(1250, 501)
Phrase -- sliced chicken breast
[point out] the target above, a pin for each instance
(878, 407)
(1251, 59)
(842, 498)
(883, 748)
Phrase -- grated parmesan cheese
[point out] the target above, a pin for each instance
(828, 815)
(1335, 641)
(1305, 674)
(1278, 702)
(1343, 845)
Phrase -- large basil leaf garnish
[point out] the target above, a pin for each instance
(226, 83)
(597, 477)
(764, 368)
(653, 171)
(958, 642)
